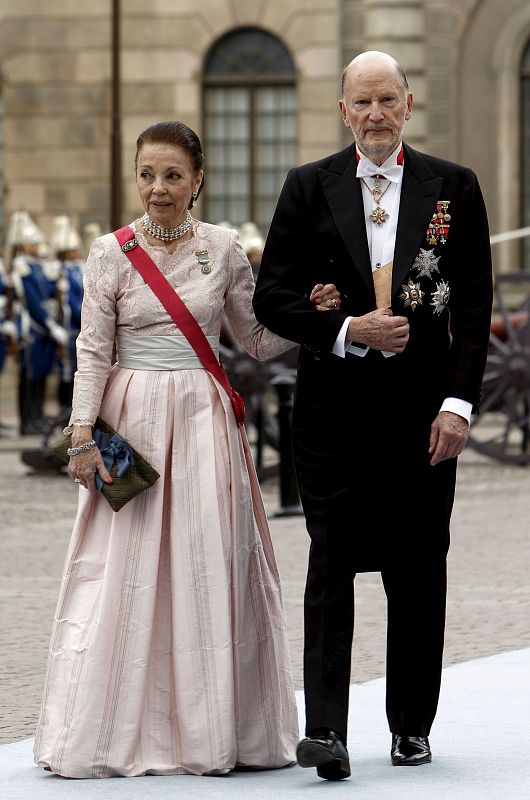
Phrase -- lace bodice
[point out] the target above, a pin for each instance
(118, 302)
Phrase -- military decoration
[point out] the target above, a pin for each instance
(426, 263)
(440, 297)
(379, 215)
(438, 229)
(204, 260)
(411, 294)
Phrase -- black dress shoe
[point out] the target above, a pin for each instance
(327, 753)
(408, 751)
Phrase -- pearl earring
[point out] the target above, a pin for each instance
(194, 198)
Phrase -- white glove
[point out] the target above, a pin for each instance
(9, 329)
(57, 332)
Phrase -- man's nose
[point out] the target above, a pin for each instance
(375, 111)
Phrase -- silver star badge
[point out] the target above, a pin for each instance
(440, 297)
(426, 263)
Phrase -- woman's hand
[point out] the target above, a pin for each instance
(84, 466)
(325, 297)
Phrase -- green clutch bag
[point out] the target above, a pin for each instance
(131, 473)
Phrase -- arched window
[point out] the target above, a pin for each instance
(525, 152)
(250, 126)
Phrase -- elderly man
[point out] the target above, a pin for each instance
(386, 387)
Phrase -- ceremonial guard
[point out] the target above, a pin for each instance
(66, 246)
(8, 329)
(39, 330)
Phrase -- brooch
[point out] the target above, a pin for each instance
(438, 229)
(130, 245)
(411, 294)
(440, 297)
(204, 260)
(426, 263)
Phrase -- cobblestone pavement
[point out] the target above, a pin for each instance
(489, 590)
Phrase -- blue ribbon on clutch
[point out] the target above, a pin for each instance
(113, 450)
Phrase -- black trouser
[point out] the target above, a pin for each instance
(415, 638)
(30, 399)
(373, 503)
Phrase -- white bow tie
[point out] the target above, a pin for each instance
(365, 169)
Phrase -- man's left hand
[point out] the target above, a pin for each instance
(449, 434)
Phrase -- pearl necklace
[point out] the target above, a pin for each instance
(166, 234)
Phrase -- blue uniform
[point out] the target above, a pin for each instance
(38, 304)
(39, 333)
(3, 304)
(71, 286)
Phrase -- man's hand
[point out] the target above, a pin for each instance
(449, 434)
(380, 330)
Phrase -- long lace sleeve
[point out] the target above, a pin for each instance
(258, 341)
(98, 329)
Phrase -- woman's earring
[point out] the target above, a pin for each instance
(194, 198)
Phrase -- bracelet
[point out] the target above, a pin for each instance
(73, 451)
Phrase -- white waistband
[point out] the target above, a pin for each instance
(160, 352)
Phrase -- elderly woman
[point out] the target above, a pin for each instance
(169, 651)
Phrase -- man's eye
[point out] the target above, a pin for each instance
(145, 175)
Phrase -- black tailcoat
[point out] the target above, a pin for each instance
(368, 419)
(361, 425)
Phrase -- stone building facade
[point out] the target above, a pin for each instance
(228, 68)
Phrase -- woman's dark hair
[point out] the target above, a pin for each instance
(176, 134)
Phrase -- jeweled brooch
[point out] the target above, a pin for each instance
(440, 297)
(426, 263)
(411, 294)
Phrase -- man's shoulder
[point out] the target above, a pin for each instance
(336, 160)
(439, 166)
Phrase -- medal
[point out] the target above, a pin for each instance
(411, 294)
(438, 229)
(204, 260)
(426, 263)
(440, 297)
(378, 215)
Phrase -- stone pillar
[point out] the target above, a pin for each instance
(398, 27)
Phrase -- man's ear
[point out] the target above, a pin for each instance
(344, 113)
(410, 101)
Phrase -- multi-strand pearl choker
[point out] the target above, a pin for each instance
(166, 234)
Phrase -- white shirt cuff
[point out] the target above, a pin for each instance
(458, 406)
(340, 348)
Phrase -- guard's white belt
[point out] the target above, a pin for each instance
(160, 352)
